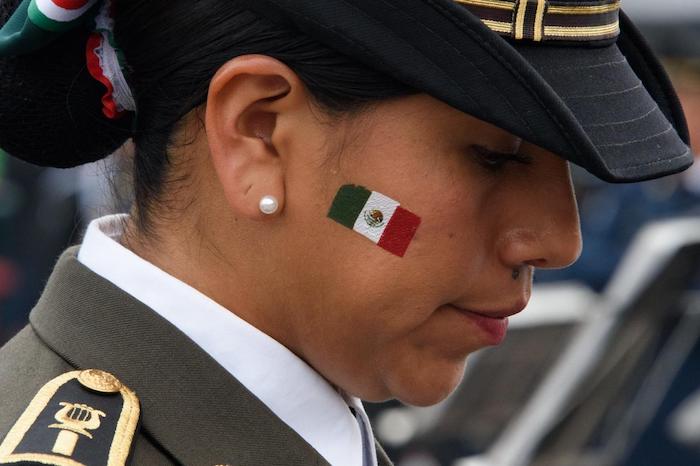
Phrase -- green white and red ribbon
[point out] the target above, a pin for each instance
(37, 23)
(59, 15)
(376, 217)
(103, 57)
(105, 64)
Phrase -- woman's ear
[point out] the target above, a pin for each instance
(246, 97)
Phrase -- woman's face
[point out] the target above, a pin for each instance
(382, 326)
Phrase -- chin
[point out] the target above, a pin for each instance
(426, 386)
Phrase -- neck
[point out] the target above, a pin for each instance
(193, 259)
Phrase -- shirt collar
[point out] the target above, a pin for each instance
(293, 390)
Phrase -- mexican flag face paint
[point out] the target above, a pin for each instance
(375, 216)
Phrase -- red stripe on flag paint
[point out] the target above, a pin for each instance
(399, 232)
(70, 4)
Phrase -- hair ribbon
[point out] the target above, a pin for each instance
(37, 23)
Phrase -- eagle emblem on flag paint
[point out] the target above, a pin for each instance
(374, 218)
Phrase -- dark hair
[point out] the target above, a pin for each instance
(174, 47)
(50, 113)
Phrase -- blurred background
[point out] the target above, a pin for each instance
(603, 368)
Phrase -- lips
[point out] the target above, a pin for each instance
(493, 323)
(497, 312)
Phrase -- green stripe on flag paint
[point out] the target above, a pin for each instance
(348, 204)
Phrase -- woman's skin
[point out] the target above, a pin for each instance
(372, 323)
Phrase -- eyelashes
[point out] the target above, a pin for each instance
(497, 161)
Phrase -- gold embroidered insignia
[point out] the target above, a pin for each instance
(79, 418)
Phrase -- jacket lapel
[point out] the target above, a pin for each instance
(190, 405)
(382, 458)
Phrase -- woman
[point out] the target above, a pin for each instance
(240, 300)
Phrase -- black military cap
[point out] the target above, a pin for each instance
(572, 76)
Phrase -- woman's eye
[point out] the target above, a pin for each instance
(496, 161)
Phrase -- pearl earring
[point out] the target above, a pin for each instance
(269, 205)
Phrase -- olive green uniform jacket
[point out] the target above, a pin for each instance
(193, 412)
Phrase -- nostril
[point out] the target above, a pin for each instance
(538, 263)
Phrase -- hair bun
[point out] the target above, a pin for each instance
(50, 106)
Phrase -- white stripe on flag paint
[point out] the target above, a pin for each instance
(52, 11)
(380, 202)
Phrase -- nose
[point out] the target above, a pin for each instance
(545, 231)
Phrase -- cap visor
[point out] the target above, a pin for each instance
(634, 139)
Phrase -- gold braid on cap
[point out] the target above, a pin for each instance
(545, 20)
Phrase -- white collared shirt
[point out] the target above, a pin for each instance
(294, 391)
